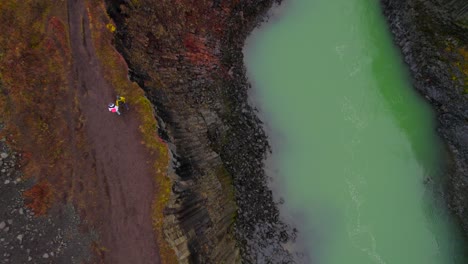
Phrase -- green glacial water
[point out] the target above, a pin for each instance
(356, 153)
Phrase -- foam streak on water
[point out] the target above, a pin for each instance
(357, 142)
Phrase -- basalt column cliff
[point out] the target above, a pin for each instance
(187, 56)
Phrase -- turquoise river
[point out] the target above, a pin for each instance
(354, 147)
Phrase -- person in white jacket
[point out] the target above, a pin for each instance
(113, 108)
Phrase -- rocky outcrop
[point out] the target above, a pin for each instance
(433, 38)
(457, 10)
(188, 58)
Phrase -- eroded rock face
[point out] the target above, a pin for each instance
(433, 38)
(187, 56)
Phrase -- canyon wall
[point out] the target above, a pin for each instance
(433, 38)
(187, 56)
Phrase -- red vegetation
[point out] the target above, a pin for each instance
(39, 197)
(58, 34)
(197, 51)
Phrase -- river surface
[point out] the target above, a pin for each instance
(354, 146)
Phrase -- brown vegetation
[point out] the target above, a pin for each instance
(35, 97)
(198, 53)
(41, 110)
(39, 197)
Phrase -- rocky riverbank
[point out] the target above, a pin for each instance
(187, 56)
(433, 38)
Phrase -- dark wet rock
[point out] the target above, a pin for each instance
(433, 38)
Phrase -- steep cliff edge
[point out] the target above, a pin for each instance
(433, 38)
(187, 56)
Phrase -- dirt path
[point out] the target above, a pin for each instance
(121, 163)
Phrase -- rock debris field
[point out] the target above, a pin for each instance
(26, 238)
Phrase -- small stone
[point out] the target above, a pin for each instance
(3, 170)
(45, 255)
(18, 180)
(21, 211)
(6, 229)
(4, 155)
(29, 258)
(10, 221)
(2, 225)
(20, 237)
(52, 254)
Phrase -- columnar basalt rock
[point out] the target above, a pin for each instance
(433, 38)
(188, 58)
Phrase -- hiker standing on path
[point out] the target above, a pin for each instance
(114, 108)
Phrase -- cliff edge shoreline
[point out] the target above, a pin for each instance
(432, 36)
(188, 59)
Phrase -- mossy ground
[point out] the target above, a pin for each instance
(448, 41)
(462, 65)
(458, 61)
